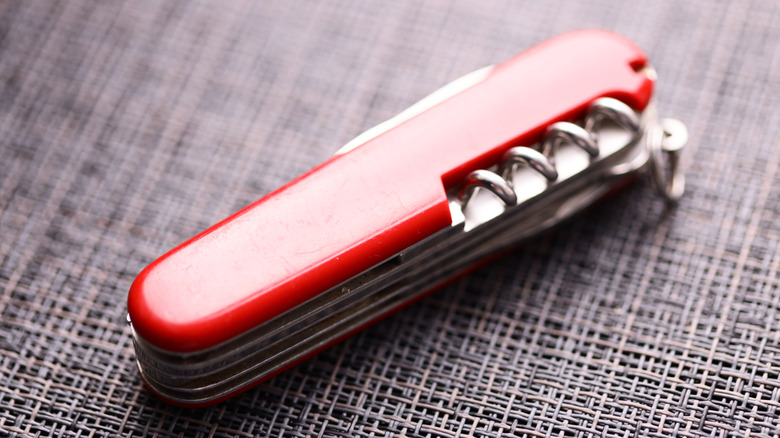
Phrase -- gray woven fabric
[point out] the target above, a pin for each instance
(127, 127)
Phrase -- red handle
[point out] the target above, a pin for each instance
(362, 207)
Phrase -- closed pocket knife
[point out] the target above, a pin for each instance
(479, 166)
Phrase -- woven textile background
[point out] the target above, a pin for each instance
(128, 127)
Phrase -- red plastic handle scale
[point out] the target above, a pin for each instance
(363, 207)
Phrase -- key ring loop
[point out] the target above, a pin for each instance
(667, 140)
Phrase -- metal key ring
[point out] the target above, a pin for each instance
(667, 140)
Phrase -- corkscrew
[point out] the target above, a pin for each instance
(479, 166)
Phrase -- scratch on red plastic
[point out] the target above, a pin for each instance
(362, 207)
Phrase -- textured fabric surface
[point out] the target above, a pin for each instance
(127, 127)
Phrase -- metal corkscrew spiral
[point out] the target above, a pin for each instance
(542, 157)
